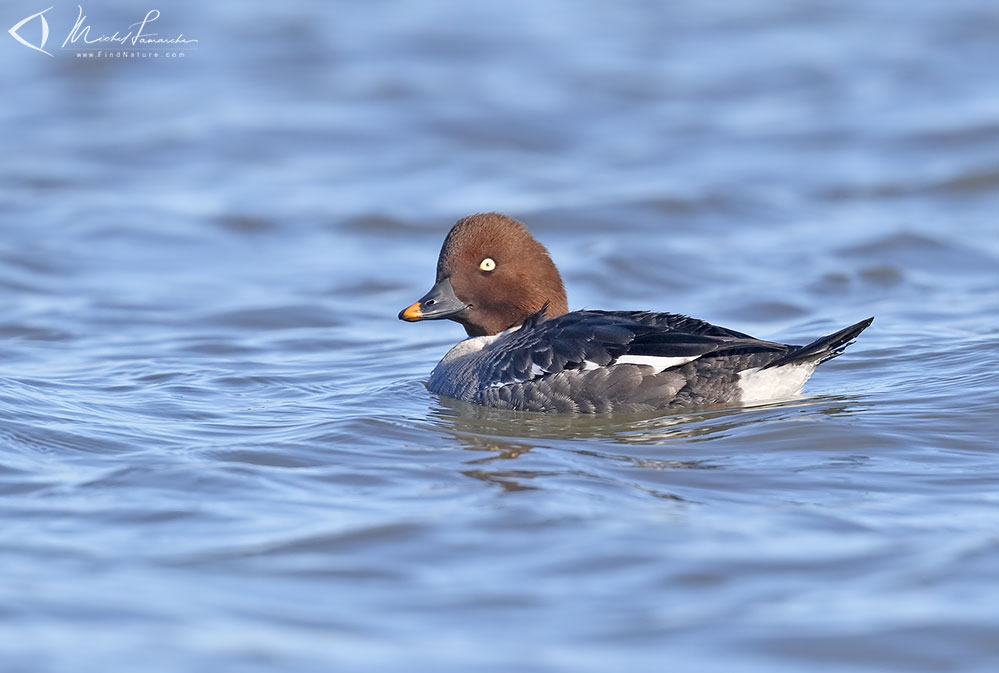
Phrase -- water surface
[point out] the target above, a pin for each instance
(216, 449)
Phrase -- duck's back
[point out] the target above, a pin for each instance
(604, 361)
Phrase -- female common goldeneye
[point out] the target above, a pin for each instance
(526, 350)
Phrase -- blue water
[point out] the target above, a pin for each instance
(216, 449)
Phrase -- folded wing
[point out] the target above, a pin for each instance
(586, 340)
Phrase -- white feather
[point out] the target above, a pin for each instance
(763, 385)
(658, 363)
(467, 346)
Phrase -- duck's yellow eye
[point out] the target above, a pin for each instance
(488, 264)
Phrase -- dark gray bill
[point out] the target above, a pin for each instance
(439, 303)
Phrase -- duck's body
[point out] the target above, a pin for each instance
(521, 356)
(606, 361)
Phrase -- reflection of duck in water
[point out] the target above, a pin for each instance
(522, 452)
(509, 435)
(528, 352)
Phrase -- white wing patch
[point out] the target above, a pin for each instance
(657, 362)
(764, 385)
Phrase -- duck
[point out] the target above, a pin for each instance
(526, 351)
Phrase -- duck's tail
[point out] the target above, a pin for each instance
(823, 348)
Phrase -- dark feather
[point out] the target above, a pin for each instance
(824, 348)
(567, 342)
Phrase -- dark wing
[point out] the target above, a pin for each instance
(586, 339)
(676, 322)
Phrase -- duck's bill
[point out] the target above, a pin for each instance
(437, 304)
